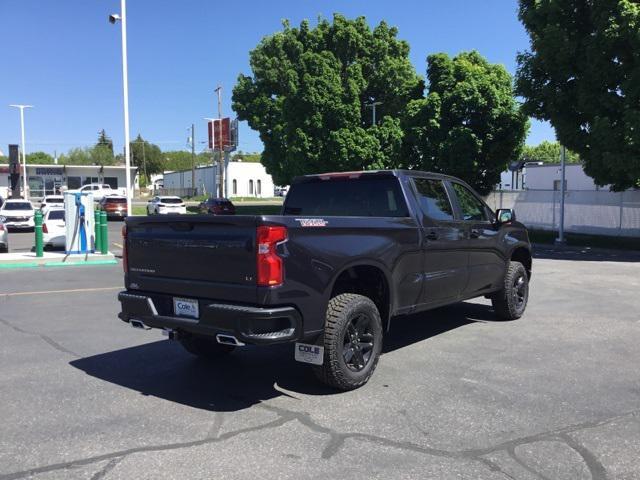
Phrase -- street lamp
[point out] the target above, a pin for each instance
(24, 151)
(113, 18)
(373, 106)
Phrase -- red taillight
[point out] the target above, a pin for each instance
(1, 227)
(269, 264)
(44, 228)
(125, 260)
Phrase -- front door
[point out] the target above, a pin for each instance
(443, 244)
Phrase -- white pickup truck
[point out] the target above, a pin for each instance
(99, 190)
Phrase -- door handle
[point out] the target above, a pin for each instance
(475, 233)
(432, 235)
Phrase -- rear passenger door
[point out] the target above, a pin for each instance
(486, 263)
(443, 244)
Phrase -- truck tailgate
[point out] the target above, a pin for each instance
(193, 255)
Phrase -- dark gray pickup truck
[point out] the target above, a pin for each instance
(349, 252)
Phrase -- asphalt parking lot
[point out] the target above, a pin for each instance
(554, 395)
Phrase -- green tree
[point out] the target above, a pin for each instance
(178, 160)
(147, 157)
(308, 92)
(469, 125)
(77, 156)
(547, 152)
(241, 156)
(39, 158)
(101, 155)
(105, 141)
(582, 74)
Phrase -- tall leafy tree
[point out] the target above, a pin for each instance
(104, 140)
(582, 74)
(308, 94)
(41, 158)
(469, 124)
(146, 156)
(547, 152)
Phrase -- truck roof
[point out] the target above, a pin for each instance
(356, 174)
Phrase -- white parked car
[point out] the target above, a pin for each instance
(51, 201)
(164, 205)
(4, 238)
(99, 190)
(53, 228)
(18, 213)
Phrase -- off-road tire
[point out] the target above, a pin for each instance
(342, 309)
(205, 347)
(511, 302)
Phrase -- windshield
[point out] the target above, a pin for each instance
(53, 200)
(56, 215)
(362, 197)
(17, 206)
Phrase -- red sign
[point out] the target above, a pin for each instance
(218, 137)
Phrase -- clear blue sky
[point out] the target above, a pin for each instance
(63, 57)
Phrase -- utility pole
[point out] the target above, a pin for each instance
(221, 158)
(193, 157)
(373, 105)
(113, 18)
(563, 159)
(144, 161)
(24, 149)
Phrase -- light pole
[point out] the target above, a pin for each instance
(24, 151)
(373, 105)
(563, 165)
(113, 18)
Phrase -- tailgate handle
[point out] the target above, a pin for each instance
(181, 226)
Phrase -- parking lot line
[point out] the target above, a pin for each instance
(117, 245)
(71, 290)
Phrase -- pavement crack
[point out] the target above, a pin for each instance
(107, 468)
(596, 468)
(151, 448)
(42, 337)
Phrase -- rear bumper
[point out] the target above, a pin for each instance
(251, 325)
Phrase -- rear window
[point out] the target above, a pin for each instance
(53, 200)
(170, 200)
(18, 206)
(116, 200)
(367, 196)
(56, 215)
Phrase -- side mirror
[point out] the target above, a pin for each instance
(505, 215)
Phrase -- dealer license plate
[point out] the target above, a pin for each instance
(186, 307)
(309, 353)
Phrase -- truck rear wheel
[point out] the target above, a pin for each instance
(205, 347)
(352, 342)
(510, 302)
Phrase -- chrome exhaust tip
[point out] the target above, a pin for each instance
(228, 340)
(139, 324)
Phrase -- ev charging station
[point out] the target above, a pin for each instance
(79, 220)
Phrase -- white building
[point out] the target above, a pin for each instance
(50, 179)
(547, 176)
(243, 179)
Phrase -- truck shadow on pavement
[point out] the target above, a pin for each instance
(252, 374)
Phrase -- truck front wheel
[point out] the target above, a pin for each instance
(352, 342)
(510, 302)
(205, 347)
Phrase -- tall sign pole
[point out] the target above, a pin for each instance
(221, 157)
(193, 158)
(24, 149)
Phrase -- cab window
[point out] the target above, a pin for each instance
(471, 207)
(433, 199)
